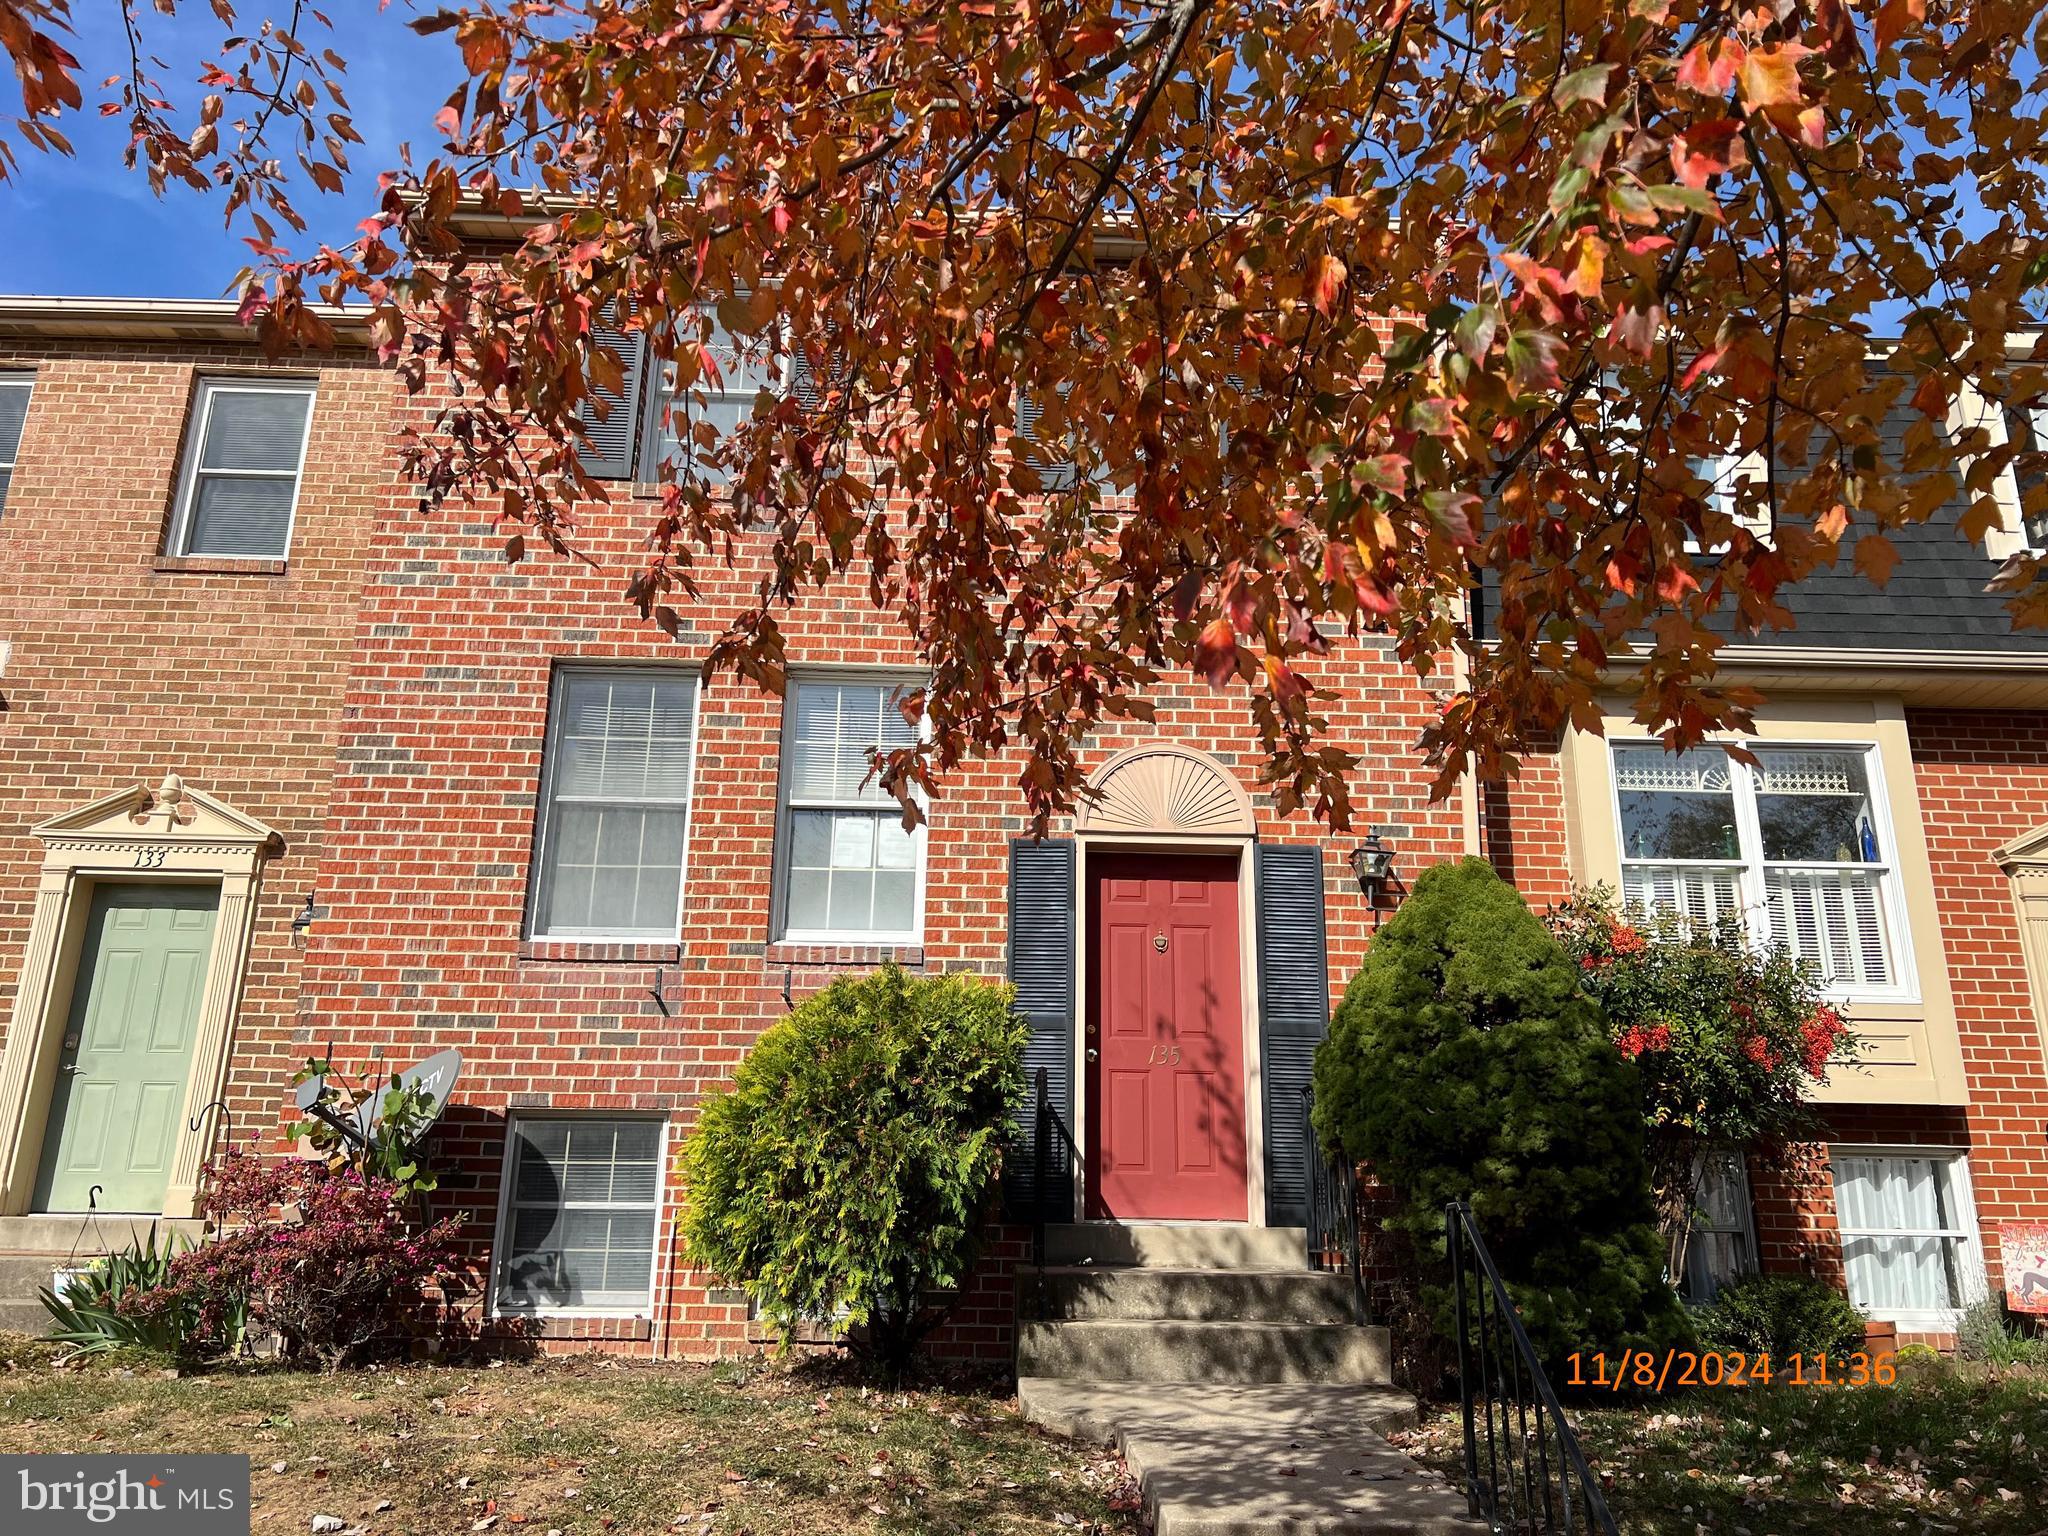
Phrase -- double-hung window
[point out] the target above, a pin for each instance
(1723, 1241)
(848, 868)
(1909, 1243)
(1798, 847)
(736, 371)
(578, 1214)
(242, 463)
(2028, 430)
(615, 804)
(14, 393)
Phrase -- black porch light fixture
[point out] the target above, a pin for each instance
(1373, 862)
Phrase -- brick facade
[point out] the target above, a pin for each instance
(426, 875)
(125, 665)
(382, 701)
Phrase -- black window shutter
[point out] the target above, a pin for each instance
(609, 449)
(1053, 474)
(1294, 1014)
(1042, 916)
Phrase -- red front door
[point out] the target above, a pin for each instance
(1166, 1133)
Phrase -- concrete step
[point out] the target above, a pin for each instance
(1247, 1353)
(65, 1233)
(1259, 1460)
(1083, 1293)
(23, 1274)
(1177, 1245)
(23, 1317)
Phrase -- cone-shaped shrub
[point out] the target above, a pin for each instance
(845, 1177)
(1466, 1063)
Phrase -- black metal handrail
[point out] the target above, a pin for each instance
(1535, 1476)
(1047, 1124)
(1333, 1224)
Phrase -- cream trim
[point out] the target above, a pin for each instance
(1165, 789)
(1913, 1053)
(2025, 862)
(169, 834)
(1137, 823)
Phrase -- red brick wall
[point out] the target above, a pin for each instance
(124, 668)
(426, 871)
(1983, 781)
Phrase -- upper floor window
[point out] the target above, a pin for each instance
(1732, 482)
(2028, 430)
(614, 805)
(1909, 1247)
(1798, 847)
(645, 420)
(847, 868)
(14, 392)
(242, 464)
(738, 369)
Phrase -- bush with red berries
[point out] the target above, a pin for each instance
(1730, 1035)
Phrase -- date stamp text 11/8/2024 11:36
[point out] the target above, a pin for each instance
(1644, 1370)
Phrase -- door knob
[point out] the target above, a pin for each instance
(1094, 1054)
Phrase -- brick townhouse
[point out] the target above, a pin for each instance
(284, 766)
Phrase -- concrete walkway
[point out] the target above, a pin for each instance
(1295, 1460)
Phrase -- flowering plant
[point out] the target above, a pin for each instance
(1729, 1036)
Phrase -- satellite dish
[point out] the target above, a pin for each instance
(307, 1094)
(435, 1076)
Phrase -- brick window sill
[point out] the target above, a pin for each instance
(219, 565)
(582, 1326)
(782, 952)
(586, 952)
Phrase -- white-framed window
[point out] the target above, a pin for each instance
(738, 370)
(1728, 475)
(846, 869)
(579, 1215)
(1909, 1232)
(1723, 1242)
(1799, 847)
(15, 389)
(2027, 429)
(240, 488)
(612, 833)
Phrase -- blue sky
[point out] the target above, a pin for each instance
(86, 225)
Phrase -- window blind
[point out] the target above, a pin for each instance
(617, 808)
(850, 866)
(580, 1215)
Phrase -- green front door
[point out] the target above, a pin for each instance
(120, 1093)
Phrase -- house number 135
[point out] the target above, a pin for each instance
(1163, 1056)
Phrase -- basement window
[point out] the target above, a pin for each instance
(579, 1215)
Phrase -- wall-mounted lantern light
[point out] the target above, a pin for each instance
(1373, 862)
(303, 918)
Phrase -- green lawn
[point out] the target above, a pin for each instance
(582, 1445)
(1947, 1449)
